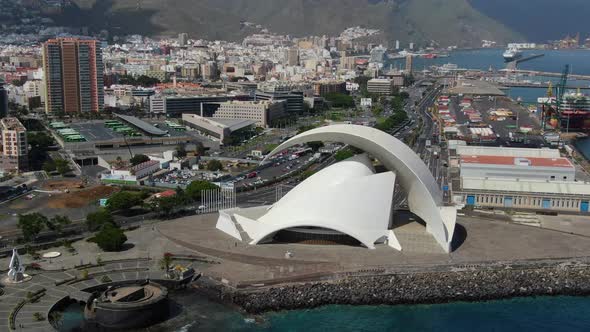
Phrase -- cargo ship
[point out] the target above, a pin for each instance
(512, 54)
(574, 114)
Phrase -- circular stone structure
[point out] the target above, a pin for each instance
(51, 254)
(128, 305)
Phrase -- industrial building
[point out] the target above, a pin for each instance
(220, 129)
(174, 106)
(517, 178)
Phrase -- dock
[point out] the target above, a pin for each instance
(547, 74)
(539, 86)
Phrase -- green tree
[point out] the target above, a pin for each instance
(303, 129)
(58, 222)
(315, 145)
(49, 166)
(31, 225)
(340, 99)
(123, 200)
(193, 190)
(166, 261)
(377, 111)
(110, 238)
(39, 140)
(343, 154)
(180, 151)
(62, 166)
(200, 149)
(95, 220)
(214, 165)
(138, 159)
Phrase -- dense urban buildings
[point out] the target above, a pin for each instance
(73, 76)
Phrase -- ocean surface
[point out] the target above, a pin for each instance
(192, 312)
(539, 314)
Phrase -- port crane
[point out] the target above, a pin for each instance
(558, 91)
(560, 88)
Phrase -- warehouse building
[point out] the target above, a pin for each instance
(517, 178)
(221, 129)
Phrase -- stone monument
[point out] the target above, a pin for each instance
(16, 274)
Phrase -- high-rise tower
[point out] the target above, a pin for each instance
(73, 75)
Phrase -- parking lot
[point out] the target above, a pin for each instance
(507, 130)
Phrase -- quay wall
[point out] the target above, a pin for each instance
(415, 288)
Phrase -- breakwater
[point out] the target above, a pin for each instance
(416, 288)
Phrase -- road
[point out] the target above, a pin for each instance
(431, 154)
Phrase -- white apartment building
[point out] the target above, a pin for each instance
(265, 112)
(14, 145)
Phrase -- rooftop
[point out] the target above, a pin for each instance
(12, 124)
(509, 185)
(146, 164)
(517, 161)
(148, 128)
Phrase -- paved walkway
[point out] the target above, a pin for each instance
(478, 241)
(138, 262)
(24, 319)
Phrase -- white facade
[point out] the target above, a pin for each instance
(355, 189)
(263, 112)
(362, 217)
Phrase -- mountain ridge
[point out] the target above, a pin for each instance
(449, 22)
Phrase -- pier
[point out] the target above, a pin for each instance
(512, 64)
(547, 74)
(539, 86)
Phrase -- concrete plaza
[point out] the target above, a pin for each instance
(477, 241)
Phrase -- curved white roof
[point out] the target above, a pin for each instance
(347, 197)
(424, 194)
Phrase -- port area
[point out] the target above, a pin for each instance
(507, 130)
(475, 88)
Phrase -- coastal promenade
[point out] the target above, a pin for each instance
(492, 259)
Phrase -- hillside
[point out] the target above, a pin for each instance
(451, 22)
(539, 20)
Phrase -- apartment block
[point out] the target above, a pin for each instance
(73, 75)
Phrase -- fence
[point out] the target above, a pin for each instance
(213, 200)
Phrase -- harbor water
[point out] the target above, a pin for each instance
(539, 314)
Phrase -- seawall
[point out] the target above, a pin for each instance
(416, 288)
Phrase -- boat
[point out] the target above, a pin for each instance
(574, 111)
(512, 54)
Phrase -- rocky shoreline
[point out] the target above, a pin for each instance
(414, 288)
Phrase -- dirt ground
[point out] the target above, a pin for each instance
(62, 184)
(80, 198)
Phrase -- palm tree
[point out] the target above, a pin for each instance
(165, 262)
